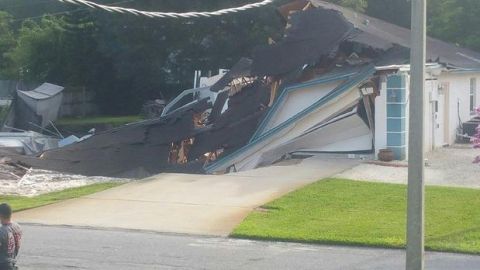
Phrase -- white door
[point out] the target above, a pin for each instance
(439, 115)
(445, 87)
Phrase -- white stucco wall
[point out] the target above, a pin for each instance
(457, 109)
(209, 81)
(459, 99)
(299, 99)
(381, 117)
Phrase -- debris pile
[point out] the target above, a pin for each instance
(19, 180)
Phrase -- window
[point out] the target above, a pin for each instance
(473, 94)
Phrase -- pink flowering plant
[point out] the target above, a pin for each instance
(476, 138)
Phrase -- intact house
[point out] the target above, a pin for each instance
(337, 83)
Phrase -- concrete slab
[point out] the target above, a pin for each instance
(183, 203)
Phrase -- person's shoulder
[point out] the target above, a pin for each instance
(15, 226)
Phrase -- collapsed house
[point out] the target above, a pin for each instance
(336, 83)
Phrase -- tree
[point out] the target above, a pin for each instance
(38, 54)
(155, 58)
(455, 21)
(7, 42)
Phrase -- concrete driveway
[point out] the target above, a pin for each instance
(183, 203)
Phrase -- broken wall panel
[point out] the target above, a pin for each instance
(143, 146)
(343, 97)
(241, 69)
(44, 101)
(253, 97)
(229, 138)
(348, 133)
(218, 106)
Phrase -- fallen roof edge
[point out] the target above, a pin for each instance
(366, 72)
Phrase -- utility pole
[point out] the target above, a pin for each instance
(416, 189)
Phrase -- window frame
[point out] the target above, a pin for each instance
(473, 95)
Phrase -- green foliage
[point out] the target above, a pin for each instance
(456, 21)
(79, 126)
(37, 57)
(358, 5)
(106, 120)
(157, 58)
(336, 211)
(7, 42)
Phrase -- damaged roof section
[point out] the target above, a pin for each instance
(312, 91)
(383, 35)
(319, 41)
(181, 141)
(313, 33)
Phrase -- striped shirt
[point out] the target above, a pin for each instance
(10, 238)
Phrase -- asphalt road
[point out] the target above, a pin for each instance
(80, 248)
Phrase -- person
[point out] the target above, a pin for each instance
(10, 237)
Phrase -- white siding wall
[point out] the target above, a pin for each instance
(381, 117)
(299, 99)
(459, 96)
(458, 108)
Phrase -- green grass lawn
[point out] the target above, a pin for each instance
(107, 120)
(19, 203)
(79, 126)
(335, 211)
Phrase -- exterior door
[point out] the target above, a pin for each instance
(441, 116)
(445, 87)
(439, 121)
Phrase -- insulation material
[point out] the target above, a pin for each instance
(287, 9)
